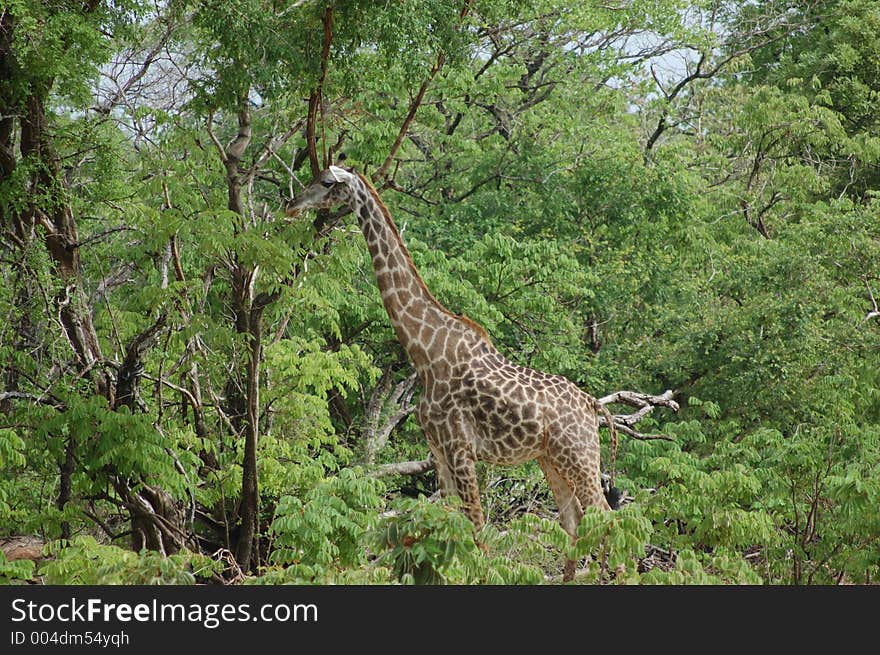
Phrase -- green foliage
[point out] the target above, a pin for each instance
(615, 540)
(17, 572)
(434, 543)
(721, 568)
(84, 561)
(127, 440)
(326, 528)
(430, 543)
(12, 457)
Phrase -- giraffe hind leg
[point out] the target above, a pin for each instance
(579, 466)
(570, 511)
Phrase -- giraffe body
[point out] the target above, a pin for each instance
(476, 405)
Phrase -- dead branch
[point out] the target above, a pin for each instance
(638, 435)
(645, 404)
(405, 468)
(638, 399)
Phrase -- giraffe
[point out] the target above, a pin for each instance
(476, 405)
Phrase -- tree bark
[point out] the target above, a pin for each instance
(65, 481)
(250, 496)
(388, 406)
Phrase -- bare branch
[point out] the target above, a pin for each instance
(637, 399)
(316, 100)
(638, 435)
(209, 122)
(41, 399)
(645, 403)
(104, 233)
(758, 38)
(405, 468)
(122, 90)
(380, 175)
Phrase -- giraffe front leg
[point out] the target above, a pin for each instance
(452, 446)
(445, 484)
(463, 471)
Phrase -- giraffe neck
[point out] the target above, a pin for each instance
(428, 331)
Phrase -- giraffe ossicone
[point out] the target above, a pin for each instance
(476, 405)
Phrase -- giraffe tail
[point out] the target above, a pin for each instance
(609, 420)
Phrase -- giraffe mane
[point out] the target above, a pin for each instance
(386, 214)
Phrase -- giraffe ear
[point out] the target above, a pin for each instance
(340, 174)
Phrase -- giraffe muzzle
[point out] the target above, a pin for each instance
(292, 210)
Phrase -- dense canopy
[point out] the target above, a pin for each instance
(668, 195)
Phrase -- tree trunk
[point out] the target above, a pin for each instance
(64, 485)
(243, 400)
(250, 497)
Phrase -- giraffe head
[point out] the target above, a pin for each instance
(330, 188)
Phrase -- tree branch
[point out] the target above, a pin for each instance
(637, 435)
(645, 403)
(41, 399)
(699, 73)
(122, 90)
(380, 175)
(389, 405)
(316, 100)
(132, 366)
(875, 311)
(637, 399)
(405, 468)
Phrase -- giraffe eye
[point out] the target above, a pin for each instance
(327, 183)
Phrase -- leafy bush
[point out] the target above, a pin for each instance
(84, 561)
(19, 571)
(613, 541)
(326, 529)
(429, 543)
